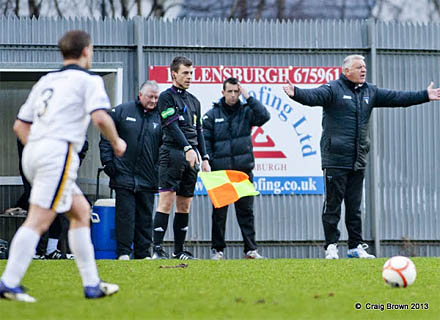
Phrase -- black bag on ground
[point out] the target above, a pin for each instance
(4, 247)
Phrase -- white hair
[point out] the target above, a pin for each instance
(348, 61)
(149, 84)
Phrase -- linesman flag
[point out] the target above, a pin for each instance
(227, 186)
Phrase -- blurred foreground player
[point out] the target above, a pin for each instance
(52, 125)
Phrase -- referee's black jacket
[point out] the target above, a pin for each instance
(345, 117)
(141, 130)
(181, 119)
(227, 131)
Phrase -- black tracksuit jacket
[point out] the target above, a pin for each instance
(181, 119)
(138, 167)
(227, 131)
(345, 117)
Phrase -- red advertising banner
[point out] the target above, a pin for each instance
(253, 75)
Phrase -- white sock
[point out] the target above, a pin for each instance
(52, 245)
(22, 250)
(82, 247)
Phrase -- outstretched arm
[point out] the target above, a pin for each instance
(433, 94)
(105, 148)
(107, 127)
(289, 89)
(320, 96)
(22, 130)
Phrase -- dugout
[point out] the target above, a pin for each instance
(16, 81)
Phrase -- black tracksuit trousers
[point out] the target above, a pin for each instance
(134, 222)
(347, 185)
(244, 209)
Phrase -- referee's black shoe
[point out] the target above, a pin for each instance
(55, 255)
(159, 253)
(183, 255)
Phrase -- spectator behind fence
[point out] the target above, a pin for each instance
(227, 129)
(134, 176)
(347, 104)
(52, 125)
(178, 159)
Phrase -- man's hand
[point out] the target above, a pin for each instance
(22, 130)
(433, 94)
(243, 91)
(191, 157)
(289, 89)
(119, 147)
(110, 169)
(205, 166)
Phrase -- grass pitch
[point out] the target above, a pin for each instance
(230, 289)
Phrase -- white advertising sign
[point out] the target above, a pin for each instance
(286, 148)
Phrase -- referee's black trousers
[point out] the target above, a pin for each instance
(134, 222)
(347, 185)
(244, 209)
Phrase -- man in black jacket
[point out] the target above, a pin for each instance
(227, 129)
(179, 161)
(134, 176)
(347, 104)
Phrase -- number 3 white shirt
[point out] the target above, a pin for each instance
(60, 104)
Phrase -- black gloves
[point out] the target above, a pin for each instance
(83, 152)
(110, 169)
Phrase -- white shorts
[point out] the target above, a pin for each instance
(51, 167)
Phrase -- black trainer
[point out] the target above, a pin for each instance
(184, 255)
(55, 255)
(159, 253)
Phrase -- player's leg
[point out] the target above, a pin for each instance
(219, 216)
(125, 220)
(335, 184)
(353, 221)
(185, 193)
(160, 223)
(143, 226)
(171, 166)
(81, 245)
(244, 209)
(22, 250)
(52, 251)
(51, 167)
(353, 200)
(180, 226)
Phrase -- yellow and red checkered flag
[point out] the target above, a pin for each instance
(227, 186)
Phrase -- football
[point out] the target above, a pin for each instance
(399, 272)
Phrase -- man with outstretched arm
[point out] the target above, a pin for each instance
(347, 104)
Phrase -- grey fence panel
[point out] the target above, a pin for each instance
(408, 150)
(278, 218)
(407, 142)
(408, 36)
(203, 33)
(12, 96)
(34, 57)
(47, 31)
